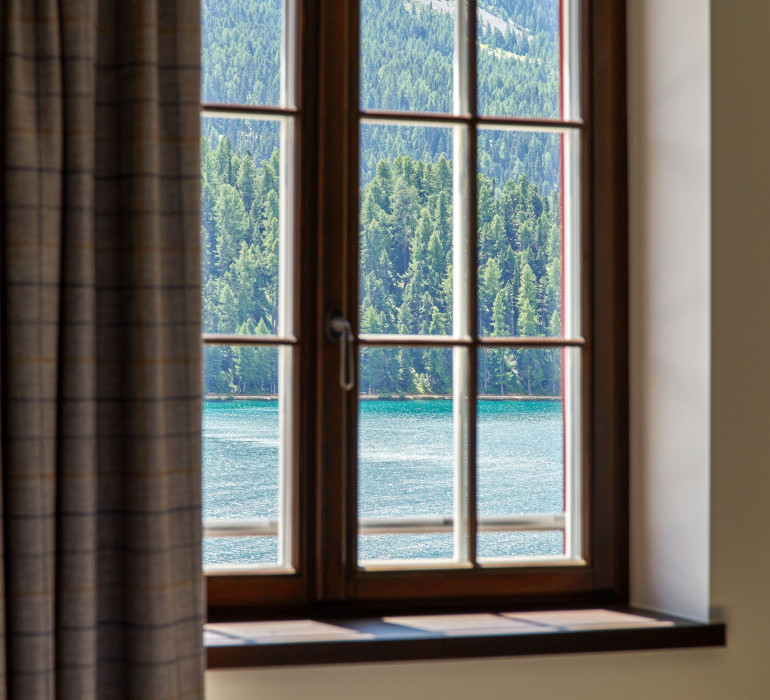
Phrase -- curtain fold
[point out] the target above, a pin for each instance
(101, 582)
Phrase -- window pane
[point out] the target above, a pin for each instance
(520, 233)
(240, 551)
(406, 230)
(241, 449)
(407, 47)
(508, 545)
(520, 438)
(373, 548)
(406, 396)
(240, 371)
(241, 231)
(241, 51)
(519, 58)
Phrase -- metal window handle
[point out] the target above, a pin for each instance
(339, 329)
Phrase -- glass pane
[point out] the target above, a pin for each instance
(241, 448)
(240, 371)
(240, 225)
(406, 396)
(405, 547)
(407, 48)
(519, 58)
(240, 551)
(406, 230)
(520, 437)
(241, 51)
(507, 545)
(520, 233)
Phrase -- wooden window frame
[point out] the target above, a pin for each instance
(325, 584)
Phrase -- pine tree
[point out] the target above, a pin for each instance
(382, 186)
(436, 267)
(370, 321)
(245, 277)
(268, 264)
(227, 309)
(405, 209)
(499, 323)
(230, 225)
(437, 364)
(224, 159)
(217, 379)
(490, 284)
(526, 303)
(247, 181)
(426, 313)
(441, 176)
(247, 375)
(443, 217)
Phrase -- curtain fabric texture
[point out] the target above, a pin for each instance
(101, 582)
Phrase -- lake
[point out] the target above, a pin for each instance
(406, 467)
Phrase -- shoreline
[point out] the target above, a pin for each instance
(225, 398)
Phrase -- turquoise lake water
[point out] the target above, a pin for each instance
(406, 467)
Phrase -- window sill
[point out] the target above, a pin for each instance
(413, 638)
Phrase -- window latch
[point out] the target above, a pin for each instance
(339, 329)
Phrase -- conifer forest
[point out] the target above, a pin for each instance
(406, 195)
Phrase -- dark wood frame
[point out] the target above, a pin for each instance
(328, 219)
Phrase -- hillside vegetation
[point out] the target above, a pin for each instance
(406, 194)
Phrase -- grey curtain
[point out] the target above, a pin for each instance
(101, 577)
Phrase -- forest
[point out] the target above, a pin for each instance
(406, 182)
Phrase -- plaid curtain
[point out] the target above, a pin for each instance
(101, 582)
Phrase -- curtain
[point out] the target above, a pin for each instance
(100, 520)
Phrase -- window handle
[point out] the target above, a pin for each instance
(339, 329)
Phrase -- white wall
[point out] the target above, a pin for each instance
(669, 194)
(682, 419)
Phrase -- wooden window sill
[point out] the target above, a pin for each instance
(455, 636)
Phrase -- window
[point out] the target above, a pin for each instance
(414, 304)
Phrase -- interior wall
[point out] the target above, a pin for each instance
(685, 416)
(670, 228)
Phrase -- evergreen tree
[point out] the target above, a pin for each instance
(230, 224)
(526, 304)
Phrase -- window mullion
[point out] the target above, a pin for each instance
(464, 282)
(286, 357)
(289, 52)
(572, 359)
(287, 554)
(332, 537)
(472, 266)
(570, 63)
